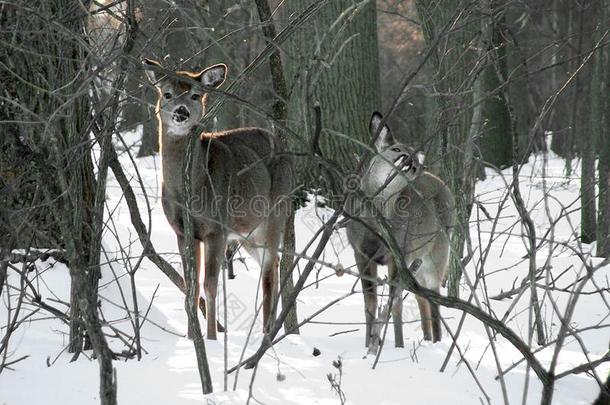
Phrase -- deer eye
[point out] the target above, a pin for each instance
(167, 95)
(196, 96)
(395, 149)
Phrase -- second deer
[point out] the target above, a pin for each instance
(241, 183)
(420, 212)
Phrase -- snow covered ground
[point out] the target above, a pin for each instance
(167, 373)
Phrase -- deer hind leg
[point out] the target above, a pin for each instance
(396, 297)
(268, 262)
(269, 268)
(214, 250)
(368, 273)
(436, 321)
(425, 311)
(264, 247)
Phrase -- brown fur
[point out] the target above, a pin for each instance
(230, 170)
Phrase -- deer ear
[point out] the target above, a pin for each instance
(214, 75)
(383, 136)
(149, 68)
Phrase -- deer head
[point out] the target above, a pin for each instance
(392, 155)
(180, 104)
(393, 166)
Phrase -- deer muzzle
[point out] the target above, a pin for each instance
(404, 163)
(181, 114)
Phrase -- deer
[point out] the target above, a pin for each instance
(241, 184)
(420, 211)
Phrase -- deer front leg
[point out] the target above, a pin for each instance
(425, 312)
(368, 273)
(396, 297)
(436, 321)
(214, 250)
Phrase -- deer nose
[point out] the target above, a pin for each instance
(403, 158)
(181, 114)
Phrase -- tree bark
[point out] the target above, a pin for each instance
(603, 224)
(495, 142)
(588, 223)
(560, 122)
(333, 60)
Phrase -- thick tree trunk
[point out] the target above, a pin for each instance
(61, 154)
(495, 143)
(576, 124)
(231, 53)
(589, 147)
(563, 24)
(603, 224)
(333, 60)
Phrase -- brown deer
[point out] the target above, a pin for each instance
(420, 211)
(241, 183)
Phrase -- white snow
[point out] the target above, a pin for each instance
(167, 373)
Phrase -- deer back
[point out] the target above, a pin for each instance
(237, 182)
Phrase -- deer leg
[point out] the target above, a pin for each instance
(268, 235)
(426, 316)
(270, 288)
(214, 249)
(436, 321)
(396, 296)
(368, 273)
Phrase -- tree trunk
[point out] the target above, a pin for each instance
(495, 143)
(60, 152)
(603, 224)
(575, 122)
(589, 146)
(333, 60)
(563, 25)
(230, 53)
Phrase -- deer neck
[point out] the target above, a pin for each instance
(382, 181)
(173, 152)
